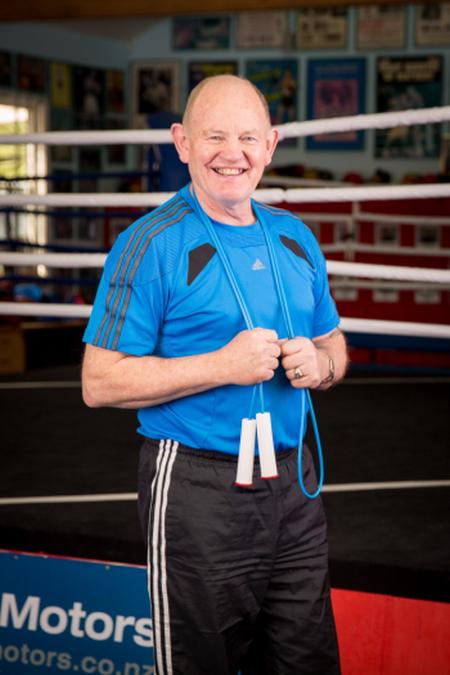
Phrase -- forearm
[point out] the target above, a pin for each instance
(122, 381)
(137, 382)
(333, 347)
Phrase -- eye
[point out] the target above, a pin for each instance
(249, 139)
(215, 138)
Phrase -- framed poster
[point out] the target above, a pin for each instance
(115, 96)
(61, 120)
(89, 97)
(60, 85)
(336, 88)
(405, 83)
(31, 74)
(322, 28)
(199, 70)
(156, 88)
(380, 27)
(261, 30)
(278, 81)
(210, 32)
(5, 69)
(116, 154)
(432, 24)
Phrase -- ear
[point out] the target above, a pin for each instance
(181, 141)
(272, 141)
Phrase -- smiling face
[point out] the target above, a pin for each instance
(227, 141)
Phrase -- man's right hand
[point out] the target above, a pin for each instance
(250, 357)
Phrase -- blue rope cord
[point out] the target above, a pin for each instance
(234, 285)
(304, 393)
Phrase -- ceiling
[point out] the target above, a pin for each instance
(32, 10)
(123, 29)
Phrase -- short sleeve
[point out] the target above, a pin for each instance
(128, 309)
(326, 316)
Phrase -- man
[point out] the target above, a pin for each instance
(237, 575)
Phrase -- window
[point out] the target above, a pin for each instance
(23, 114)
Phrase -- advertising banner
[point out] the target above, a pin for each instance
(60, 615)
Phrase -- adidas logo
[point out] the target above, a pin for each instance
(258, 265)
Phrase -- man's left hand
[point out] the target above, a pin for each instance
(305, 365)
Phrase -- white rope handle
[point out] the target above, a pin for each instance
(289, 130)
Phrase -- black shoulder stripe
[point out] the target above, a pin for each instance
(198, 259)
(295, 247)
(276, 211)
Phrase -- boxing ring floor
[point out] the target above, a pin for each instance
(374, 428)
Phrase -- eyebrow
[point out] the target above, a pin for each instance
(251, 132)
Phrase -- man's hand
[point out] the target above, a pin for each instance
(305, 365)
(251, 356)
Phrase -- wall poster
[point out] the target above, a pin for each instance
(199, 70)
(115, 94)
(405, 83)
(380, 27)
(60, 85)
(89, 97)
(211, 32)
(278, 81)
(261, 30)
(156, 88)
(322, 28)
(432, 24)
(31, 74)
(336, 88)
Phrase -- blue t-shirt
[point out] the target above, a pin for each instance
(164, 292)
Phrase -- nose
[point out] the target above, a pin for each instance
(231, 150)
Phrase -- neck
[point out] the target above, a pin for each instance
(229, 214)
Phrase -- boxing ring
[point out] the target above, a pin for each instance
(69, 473)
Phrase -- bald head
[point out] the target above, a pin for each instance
(223, 84)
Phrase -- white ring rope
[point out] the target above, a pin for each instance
(337, 267)
(290, 130)
(270, 196)
(360, 122)
(391, 272)
(66, 260)
(405, 328)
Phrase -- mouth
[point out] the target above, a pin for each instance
(226, 171)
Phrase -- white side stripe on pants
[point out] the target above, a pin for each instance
(156, 558)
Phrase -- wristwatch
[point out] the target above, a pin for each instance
(331, 372)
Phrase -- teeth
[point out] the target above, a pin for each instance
(229, 172)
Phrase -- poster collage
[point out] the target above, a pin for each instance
(335, 86)
(92, 98)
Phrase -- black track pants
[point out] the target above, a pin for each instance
(238, 577)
